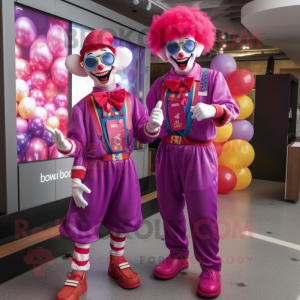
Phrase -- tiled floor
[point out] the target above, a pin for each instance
(252, 268)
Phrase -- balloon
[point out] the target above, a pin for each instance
(29, 82)
(39, 96)
(55, 21)
(41, 113)
(240, 82)
(20, 158)
(223, 133)
(25, 32)
(22, 125)
(241, 130)
(236, 154)
(36, 127)
(22, 89)
(236, 101)
(218, 147)
(61, 100)
(37, 150)
(47, 137)
(57, 39)
(54, 153)
(59, 72)
(62, 115)
(63, 89)
(39, 79)
(53, 122)
(51, 90)
(27, 108)
(224, 63)
(226, 180)
(22, 142)
(17, 109)
(244, 178)
(246, 107)
(40, 55)
(23, 69)
(50, 108)
(18, 51)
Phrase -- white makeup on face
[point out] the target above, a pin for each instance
(182, 61)
(102, 75)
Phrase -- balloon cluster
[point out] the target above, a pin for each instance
(232, 140)
(41, 84)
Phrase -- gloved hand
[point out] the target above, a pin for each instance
(62, 144)
(156, 118)
(203, 111)
(77, 190)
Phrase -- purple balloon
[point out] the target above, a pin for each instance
(224, 63)
(25, 32)
(241, 130)
(22, 125)
(131, 75)
(37, 150)
(61, 100)
(22, 142)
(20, 158)
(47, 137)
(36, 126)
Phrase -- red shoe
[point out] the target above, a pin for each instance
(210, 283)
(74, 287)
(120, 270)
(170, 267)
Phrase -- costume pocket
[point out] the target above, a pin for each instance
(116, 135)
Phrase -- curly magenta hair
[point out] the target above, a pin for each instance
(176, 23)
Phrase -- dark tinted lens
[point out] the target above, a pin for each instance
(173, 48)
(189, 46)
(90, 62)
(108, 59)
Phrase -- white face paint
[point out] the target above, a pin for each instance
(102, 75)
(183, 61)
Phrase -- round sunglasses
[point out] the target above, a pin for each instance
(107, 58)
(188, 46)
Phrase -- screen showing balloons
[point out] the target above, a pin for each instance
(41, 48)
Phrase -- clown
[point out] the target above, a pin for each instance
(194, 101)
(105, 185)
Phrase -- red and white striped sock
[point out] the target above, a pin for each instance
(80, 261)
(117, 243)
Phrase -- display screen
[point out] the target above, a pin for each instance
(41, 48)
(131, 78)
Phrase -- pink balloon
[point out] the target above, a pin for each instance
(39, 79)
(25, 32)
(18, 51)
(57, 39)
(59, 72)
(62, 115)
(40, 55)
(42, 113)
(23, 69)
(39, 96)
(29, 82)
(63, 89)
(55, 21)
(22, 125)
(61, 100)
(50, 108)
(54, 152)
(37, 150)
(51, 91)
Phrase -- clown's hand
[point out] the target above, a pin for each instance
(62, 144)
(156, 118)
(77, 190)
(203, 111)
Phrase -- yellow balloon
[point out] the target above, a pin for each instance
(244, 178)
(223, 133)
(246, 107)
(236, 154)
(22, 89)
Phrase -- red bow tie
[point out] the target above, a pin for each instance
(174, 85)
(106, 100)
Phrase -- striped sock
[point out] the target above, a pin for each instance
(117, 243)
(80, 261)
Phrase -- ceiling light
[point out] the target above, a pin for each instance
(221, 49)
(247, 47)
(224, 46)
(149, 5)
(244, 47)
(135, 2)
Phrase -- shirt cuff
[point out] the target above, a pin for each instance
(151, 134)
(222, 116)
(71, 151)
(78, 172)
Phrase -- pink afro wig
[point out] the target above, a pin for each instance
(178, 22)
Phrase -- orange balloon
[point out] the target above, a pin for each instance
(27, 108)
(22, 89)
(53, 122)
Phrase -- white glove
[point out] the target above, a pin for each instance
(203, 111)
(156, 118)
(77, 190)
(62, 144)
